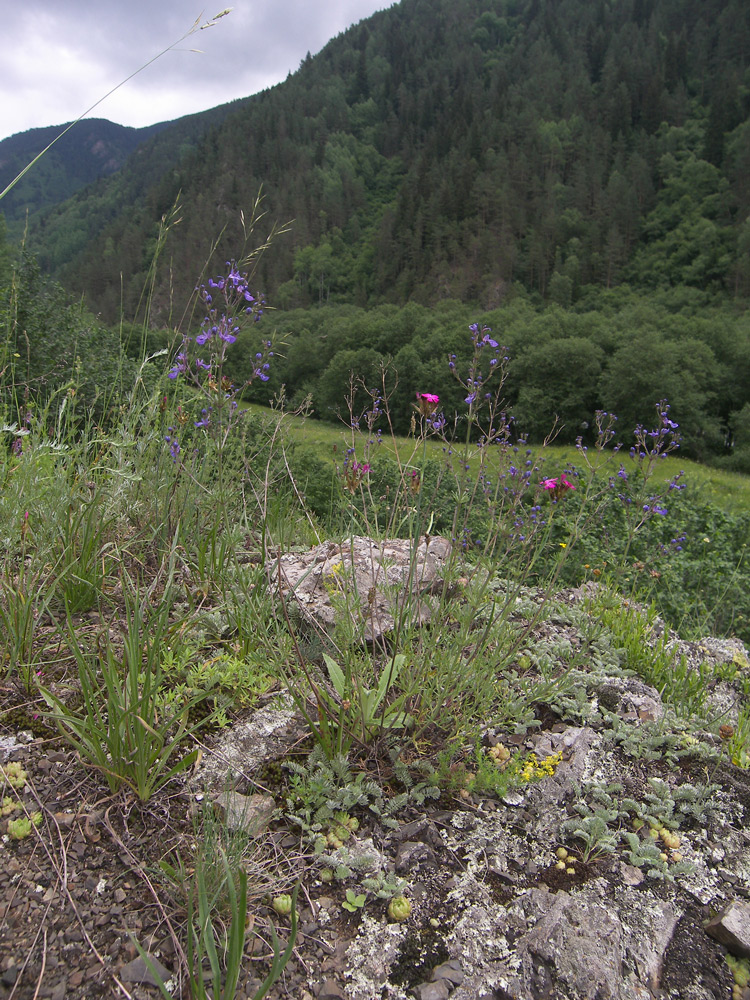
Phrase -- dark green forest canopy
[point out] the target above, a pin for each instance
(620, 351)
(451, 148)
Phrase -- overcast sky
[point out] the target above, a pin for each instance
(60, 56)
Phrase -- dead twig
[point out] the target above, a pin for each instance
(44, 966)
(30, 952)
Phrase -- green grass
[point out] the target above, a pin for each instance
(729, 491)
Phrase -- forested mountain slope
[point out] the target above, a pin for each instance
(93, 148)
(95, 172)
(448, 148)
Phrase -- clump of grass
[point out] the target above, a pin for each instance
(648, 654)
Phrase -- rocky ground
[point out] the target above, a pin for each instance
(496, 912)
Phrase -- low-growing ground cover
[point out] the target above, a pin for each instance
(147, 617)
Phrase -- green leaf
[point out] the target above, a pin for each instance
(337, 675)
(390, 675)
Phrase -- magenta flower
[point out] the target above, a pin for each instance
(354, 473)
(558, 487)
(427, 403)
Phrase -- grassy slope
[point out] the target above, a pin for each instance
(730, 491)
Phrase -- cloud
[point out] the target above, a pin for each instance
(58, 59)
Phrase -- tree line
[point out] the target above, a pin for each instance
(619, 351)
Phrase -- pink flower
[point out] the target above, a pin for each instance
(427, 403)
(354, 473)
(557, 487)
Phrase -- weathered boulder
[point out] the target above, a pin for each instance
(376, 581)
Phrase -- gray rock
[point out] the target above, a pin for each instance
(245, 746)
(631, 699)
(362, 855)
(413, 854)
(582, 945)
(330, 990)
(374, 575)
(579, 745)
(251, 813)
(7, 745)
(571, 941)
(650, 924)
(423, 830)
(449, 970)
(138, 971)
(370, 955)
(732, 928)
(439, 990)
(711, 650)
(10, 976)
(631, 875)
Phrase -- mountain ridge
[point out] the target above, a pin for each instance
(93, 148)
(89, 151)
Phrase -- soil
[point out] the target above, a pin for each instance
(82, 887)
(74, 891)
(86, 884)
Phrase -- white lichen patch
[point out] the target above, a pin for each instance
(7, 745)
(462, 821)
(493, 841)
(370, 957)
(244, 747)
(478, 940)
(468, 891)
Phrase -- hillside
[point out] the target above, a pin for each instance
(452, 149)
(94, 148)
(95, 156)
